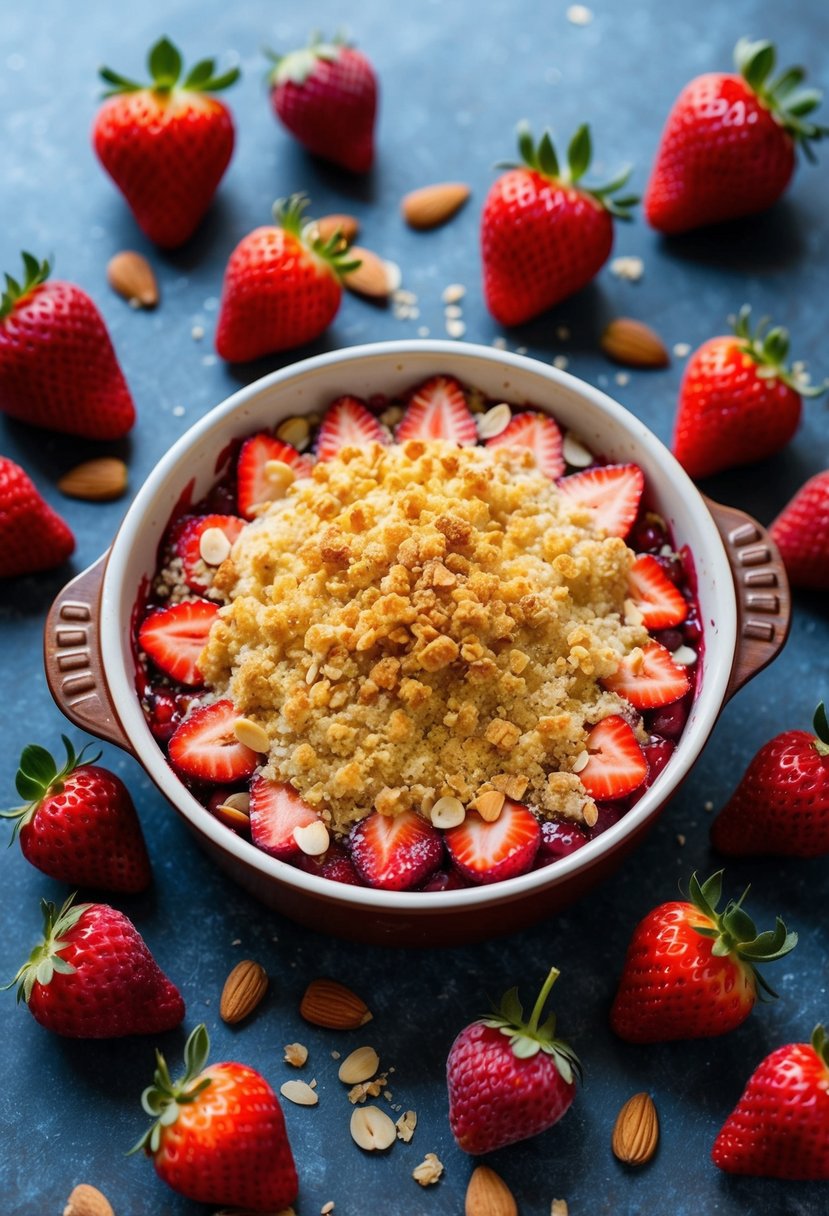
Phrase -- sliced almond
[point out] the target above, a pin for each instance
(327, 1003)
(371, 278)
(214, 546)
(87, 1200)
(295, 1054)
(494, 421)
(372, 1129)
(280, 476)
(575, 452)
(489, 805)
(252, 735)
(239, 801)
(431, 206)
(488, 1195)
(684, 656)
(634, 344)
(295, 431)
(95, 480)
(243, 991)
(347, 226)
(636, 1133)
(632, 612)
(313, 838)
(299, 1092)
(581, 761)
(447, 812)
(132, 276)
(359, 1066)
(238, 820)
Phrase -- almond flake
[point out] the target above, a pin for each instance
(429, 1170)
(633, 615)
(280, 476)
(575, 452)
(296, 432)
(559, 1208)
(214, 546)
(295, 1054)
(299, 1093)
(447, 812)
(581, 761)
(489, 805)
(372, 1129)
(313, 839)
(494, 421)
(327, 1207)
(361, 1065)
(455, 329)
(684, 656)
(251, 734)
(579, 14)
(630, 268)
(406, 1125)
(453, 293)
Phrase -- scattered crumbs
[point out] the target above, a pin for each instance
(680, 839)
(561, 362)
(579, 14)
(367, 1089)
(708, 806)
(622, 378)
(388, 1095)
(312, 1084)
(563, 333)
(406, 1125)
(197, 333)
(521, 350)
(453, 293)
(499, 343)
(559, 1208)
(209, 360)
(681, 349)
(178, 411)
(429, 1170)
(237, 941)
(296, 1054)
(403, 296)
(453, 310)
(335, 1055)
(630, 268)
(455, 329)
(423, 331)
(327, 1207)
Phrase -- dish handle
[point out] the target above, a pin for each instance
(764, 606)
(72, 657)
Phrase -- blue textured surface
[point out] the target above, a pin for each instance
(455, 79)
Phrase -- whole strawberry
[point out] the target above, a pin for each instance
(79, 824)
(166, 145)
(281, 287)
(738, 401)
(326, 95)
(801, 533)
(508, 1078)
(58, 368)
(219, 1135)
(92, 976)
(781, 806)
(690, 971)
(780, 1126)
(32, 536)
(728, 147)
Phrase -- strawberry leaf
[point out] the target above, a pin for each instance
(165, 66)
(164, 62)
(580, 153)
(35, 274)
(783, 97)
(821, 725)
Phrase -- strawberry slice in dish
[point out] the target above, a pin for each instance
(617, 764)
(487, 852)
(275, 810)
(649, 678)
(395, 852)
(254, 486)
(438, 410)
(347, 423)
(611, 491)
(540, 434)
(658, 599)
(205, 746)
(194, 550)
(335, 864)
(174, 638)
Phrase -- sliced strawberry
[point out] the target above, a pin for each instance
(661, 603)
(438, 410)
(198, 574)
(395, 852)
(205, 746)
(611, 491)
(275, 810)
(347, 423)
(617, 764)
(540, 434)
(649, 678)
(334, 864)
(174, 638)
(253, 484)
(489, 852)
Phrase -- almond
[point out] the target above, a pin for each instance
(95, 480)
(332, 1005)
(633, 344)
(361, 1065)
(432, 206)
(299, 1092)
(372, 1129)
(87, 1200)
(347, 225)
(243, 990)
(636, 1133)
(132, 276)
(488, 1195)
(371, 278)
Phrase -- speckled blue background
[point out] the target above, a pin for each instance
(456, 76)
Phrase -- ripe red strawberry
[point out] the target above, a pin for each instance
(801, 533)
(617, 764)
(728, 147)
(174, 638)
(219, 1133)
(58, 369)
(437, 409)
(395, 852)
(781, 806)
(658, 599)
(544, 235)
(738, 401)
(166, 145)
(509, 1079)
(690, 971)
(649, 678)
(275, 810)
(334, 864)
(254, 486)
(92, 976)
(611, 491)
(347, 423)
(326, 95)
(780, 1126)
(281, 287)
(32, 536)
(205, 746)
(198, 575)
(78, 824)
(487, 852)
(539, 433)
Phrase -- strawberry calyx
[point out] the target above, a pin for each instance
(528, 1037)
(296, 66)
(45, 959)
(821, 725)
(164, 1098)
(38, 777)
(735, 933)
(542, 159)
(288, 213)
(820, 1044)
(35, 273)
(782, 95)
(165, 66)
(769, 349)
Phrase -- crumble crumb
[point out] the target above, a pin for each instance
(429, 1170)
(296, 1054)
(630, 268)
(406, 1125)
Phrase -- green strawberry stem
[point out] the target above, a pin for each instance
(165, 66)
(543, 159)
(527, 1038)
(770, 350)
(820, 1043)
(296, 66)
(788, 102)
(821, 725)
(35, 273)
(164, 1097)
(39, 777)
(735, 933)
(45, 959)
(288, 213)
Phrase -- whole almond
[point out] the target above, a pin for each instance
(98, 480)
(332, 1005)
(636, 1133)
(243, 990)
(347, 226)
(488, 1195)
(432, 206)
(371, 278)
(132, 276)
(634, 344)
(87, 1200)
